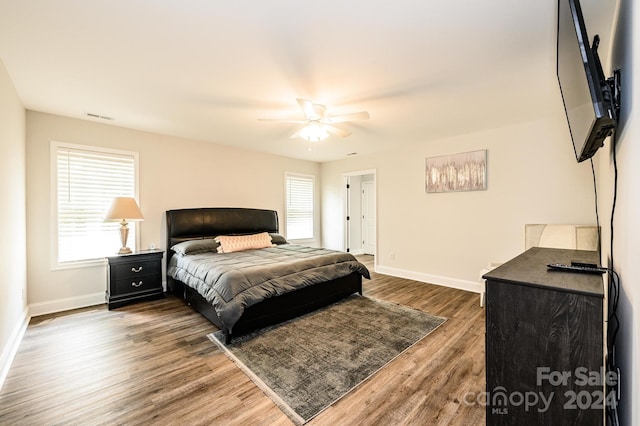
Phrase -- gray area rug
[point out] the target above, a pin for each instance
(308, 363)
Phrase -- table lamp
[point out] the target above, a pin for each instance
(124, 209)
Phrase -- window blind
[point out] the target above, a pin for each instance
(87, 182)
(299, 209)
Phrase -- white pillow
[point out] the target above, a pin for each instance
(231, 243)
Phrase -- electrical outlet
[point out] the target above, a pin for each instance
(392, 255)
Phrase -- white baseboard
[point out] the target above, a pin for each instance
(472, 286)
(11, 348)
(60, 305)
(356, 252)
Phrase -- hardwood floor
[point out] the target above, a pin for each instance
(151, 363)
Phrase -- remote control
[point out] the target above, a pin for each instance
(582, 263)
(576, 268)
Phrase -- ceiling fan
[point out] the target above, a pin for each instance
(317, 123)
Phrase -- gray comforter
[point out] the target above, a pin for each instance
(233, 281)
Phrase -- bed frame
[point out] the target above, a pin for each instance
(190, 224)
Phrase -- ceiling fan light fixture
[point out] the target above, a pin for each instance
(317, 125)
(314, 132)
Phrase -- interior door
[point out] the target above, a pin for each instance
(369, 217)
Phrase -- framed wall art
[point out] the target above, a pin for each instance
(457, 172)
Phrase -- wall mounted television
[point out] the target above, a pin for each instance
(590, 100)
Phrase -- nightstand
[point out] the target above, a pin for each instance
(134, 277)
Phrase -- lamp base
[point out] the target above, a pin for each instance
(124, 233)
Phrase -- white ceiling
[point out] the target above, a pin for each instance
(208, 69)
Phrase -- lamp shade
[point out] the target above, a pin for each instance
(123, 208)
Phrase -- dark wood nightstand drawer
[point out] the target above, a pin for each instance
(136, 269)
(134, 277)
(137, 284)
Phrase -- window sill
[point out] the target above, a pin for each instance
(93, 263)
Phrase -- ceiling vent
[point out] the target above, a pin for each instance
(101, 117)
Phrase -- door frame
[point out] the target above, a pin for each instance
(372, 186)
(346, 209)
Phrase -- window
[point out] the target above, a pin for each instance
(85, 180)
(299, 208)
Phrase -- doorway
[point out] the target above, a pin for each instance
(360, 207)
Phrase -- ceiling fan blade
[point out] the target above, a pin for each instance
(362, 115)
(307, 108)
(282, 120)
(312, 111)
(336, 131)
(319, 110)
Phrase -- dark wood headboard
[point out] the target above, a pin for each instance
(191, 224)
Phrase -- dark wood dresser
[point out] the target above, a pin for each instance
(134, 277)
(544, 341)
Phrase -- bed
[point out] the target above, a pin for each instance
(231, 290)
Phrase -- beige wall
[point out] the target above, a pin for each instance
(174, 173)
(626, 235)
(13, 285)
(448, 238)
